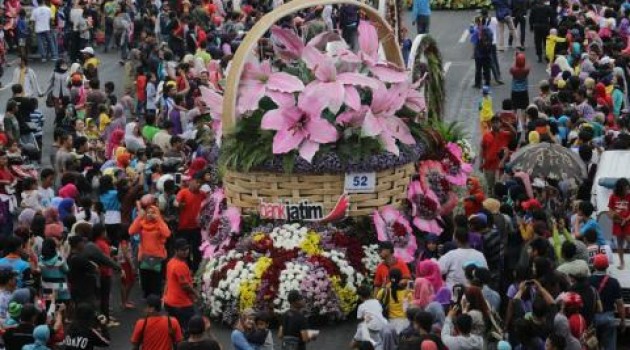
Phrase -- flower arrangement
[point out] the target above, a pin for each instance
(324, 263)
(320, 106)
(391, 225)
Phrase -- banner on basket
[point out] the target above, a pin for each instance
(303, 210)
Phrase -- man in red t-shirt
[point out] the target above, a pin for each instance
(494, 145)
(188, 201)
(386, 252)
(179, 293)
(155, 331)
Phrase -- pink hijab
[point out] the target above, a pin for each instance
(115, 140)
(423, 293)
(430, 270)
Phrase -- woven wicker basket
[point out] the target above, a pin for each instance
(247, 190)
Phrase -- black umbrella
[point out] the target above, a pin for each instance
(549, 160)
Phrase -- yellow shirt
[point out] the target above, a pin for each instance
(396, 308)
(104, 121)
(91, 61)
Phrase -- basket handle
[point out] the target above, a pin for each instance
(385, 34)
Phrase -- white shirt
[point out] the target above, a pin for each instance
(492, 25)
(41, 16)
(452, 264)
(46, 195)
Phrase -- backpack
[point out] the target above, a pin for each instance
(171, 333)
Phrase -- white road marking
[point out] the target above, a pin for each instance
(447, 66)
(464, 36)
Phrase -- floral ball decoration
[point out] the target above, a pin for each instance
(425, 208)
(326, 264)
(455, 168)
(433, 178)
(391, 225)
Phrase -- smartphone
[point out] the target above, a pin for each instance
(410, 285)
(178, 178)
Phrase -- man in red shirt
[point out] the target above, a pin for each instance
(155, 331)
(494, 145)
(188, 201)
(179, 293)
(386, 251)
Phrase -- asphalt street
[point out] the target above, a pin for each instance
(450, 29)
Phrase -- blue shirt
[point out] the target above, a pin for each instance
(239, 341)
(21, 268)
(592, 224)
(421, 8)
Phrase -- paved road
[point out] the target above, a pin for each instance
(449, 29)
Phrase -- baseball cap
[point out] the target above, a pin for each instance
(88, 50)
(181, 244)
(600, 262)
(294, 296)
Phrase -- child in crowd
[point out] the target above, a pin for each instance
(109, 91)
(486, 111)
(103, 118)
(141, 91)
(30, 195)
(128, 279)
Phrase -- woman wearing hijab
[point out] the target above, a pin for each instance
(430, 270)
(58, 88)
(54, 227)
(114, 141)
(133, 139)
(520, 96)
(118, 122)
(474, 202)
(153, 232)
(198, 164)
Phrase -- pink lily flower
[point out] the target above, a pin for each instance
(233, 216)
(368, 42)
(335, 88)
(259, 80)
(391, 225)
(299, 128)
(381, 121)
(289, 47)
(433, 179)
(214, 102)
(425, 207)
(456, 169)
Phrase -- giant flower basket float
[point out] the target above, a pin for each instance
(296, 126)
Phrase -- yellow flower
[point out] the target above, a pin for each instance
(346, 294)
(247, 296)
(258, 236)
(310, 244)
(261, 266)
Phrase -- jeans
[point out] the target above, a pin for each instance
(351, 35)
(490, 176)
(494, 66)
(422, 24)
(50, 51)
(193, 236)
(109, 33)
(182, 314)
(482, 66)
(520, 23)
(501, 31)
(151, 282)
(540, 35)
(606, 330)
(104, 292)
